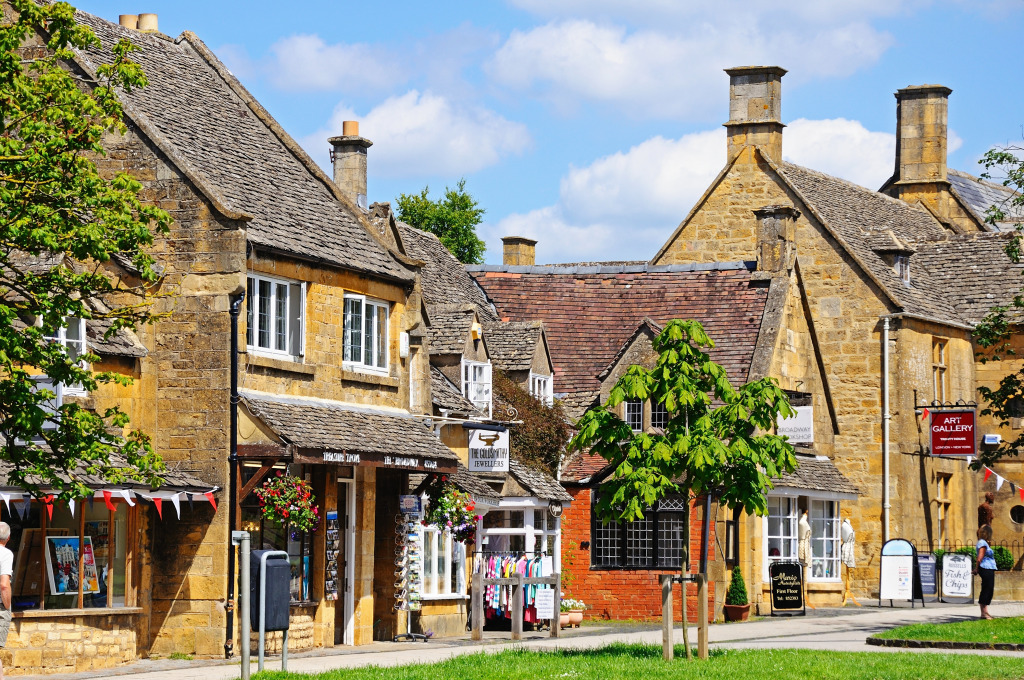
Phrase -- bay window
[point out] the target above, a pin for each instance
(541, 389)
(444, 564)
(824, 516)
(71, 336)
(275, 310)
(782, 530)
(366, 334)
(476, 384)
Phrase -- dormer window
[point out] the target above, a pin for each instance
(71, 336)
(902, 268)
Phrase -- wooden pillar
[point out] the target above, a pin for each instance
(477, 596)
(556, 623)
(517, 606)
(702, 616)
(667, 643)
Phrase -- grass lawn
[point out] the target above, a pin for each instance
(1010, 629)
(640, 662)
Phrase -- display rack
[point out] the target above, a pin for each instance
(408, 561)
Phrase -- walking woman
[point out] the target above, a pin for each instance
(986, 569)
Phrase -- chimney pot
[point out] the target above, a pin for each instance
(148, 23)
(519, 250)
(755, 111)
(348, 152)
(129, 21)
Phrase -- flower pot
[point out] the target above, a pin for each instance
(563, 620)
(736, 612)
(575, 617)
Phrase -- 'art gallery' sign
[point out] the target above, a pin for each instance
(953, 433)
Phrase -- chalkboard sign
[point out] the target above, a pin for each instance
(957, 579)
(927, 582)
(787, 580)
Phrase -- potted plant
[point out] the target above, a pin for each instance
(451, 509)
(571, 612)
(737, 608)
(289, 502)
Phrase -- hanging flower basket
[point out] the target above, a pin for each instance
(451, 509)
(288, 501)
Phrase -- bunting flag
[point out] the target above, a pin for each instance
(26, 505)
(1013, 488)
(7, 502)
(970, 459)
(157, 501)
(924, 413)
(988, 473)
(209, 497)
(48, 500)
(999, 482)
(106, 499)
(126, 495)
(176, 500)
(92, 502)
(71, 506)
(191, 504)
(1021, 489)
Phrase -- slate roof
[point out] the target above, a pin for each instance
(123, 343)
(446, 395)
(816, 473)
(511, 345)
(980, 195)
(590, 312)
(174, 479)
(449, 327)
(220, 135)
(443, 278)
(973, 271)
(322, 424)
(540, 484)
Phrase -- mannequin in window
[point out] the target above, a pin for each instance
(804, 534)
(847, 554)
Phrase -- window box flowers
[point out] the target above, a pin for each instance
(451, 510)
(289, 502)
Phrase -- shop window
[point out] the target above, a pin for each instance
(72, 337)
(444, 564)
(476, 384)
(541, 389)
(943, 501)
(655, 541)
(782, 529)
(366, 334)
(529, 531)
(1017, 514)
(271, 536)
(634, 412)
(824, 516)
(274, 315)
(940, 378)
(83, 561)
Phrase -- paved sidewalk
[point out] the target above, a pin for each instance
(839, 630)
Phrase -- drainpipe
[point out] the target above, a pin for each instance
(705, 533)
(885, 429)
(229, 633)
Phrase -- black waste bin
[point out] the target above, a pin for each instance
(279, 573)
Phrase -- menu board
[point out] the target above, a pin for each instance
(957, 579)
(787, 581)
(333, 551)
(929, 584)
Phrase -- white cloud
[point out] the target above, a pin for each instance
(651, 73)
(623, 206)
(301, 63)
(418, 134)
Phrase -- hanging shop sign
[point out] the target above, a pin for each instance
(799, 427)
(488, 451)
(787, 582)
(957, 579)
(898, 577)
(346, 458)
(927, 578)
(953, 433)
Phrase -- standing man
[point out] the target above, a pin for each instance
(6, 572)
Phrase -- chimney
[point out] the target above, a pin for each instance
(129, 21)
(148, 23)
(348, 154)
(776, 237)
(755, 111)
(519, 250)
(921, 123)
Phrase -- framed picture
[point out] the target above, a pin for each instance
(62, 555)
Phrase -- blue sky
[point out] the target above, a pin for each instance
(594, 125)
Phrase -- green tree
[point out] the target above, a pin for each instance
(540, 440)
(717, 440)
(453, 219)
(60, 222)
(1005, 400)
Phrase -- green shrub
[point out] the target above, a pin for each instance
(737, 593)
(1004, 558)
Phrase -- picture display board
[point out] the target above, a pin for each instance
(331, 561)
(927, 573)
(957, 579)
(787, 583)
(62, 558)
(898, 577)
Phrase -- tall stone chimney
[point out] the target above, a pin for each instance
(519, 250)
(348, 153)
(755, 111)
(776, 237)
(922, 120)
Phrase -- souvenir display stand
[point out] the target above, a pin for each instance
(408, 561)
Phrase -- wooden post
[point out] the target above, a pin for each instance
(478, 604)
(667, 643)
(556, 623)
(517, 606)
(702, 616)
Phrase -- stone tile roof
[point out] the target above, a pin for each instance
(979, 195)
(173, 479)
(322, 424)
(816, 473)
(540, 484)
(471, 483)
(511, 344)
(443, 278)
(645, 324)
(123, 343)
(589, 315)
(446, 395)
(449, 327)
(973, 272)
(213, 129)
(582, 466)
(860, 217)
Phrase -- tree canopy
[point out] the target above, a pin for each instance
(453, 219)
(61, 222)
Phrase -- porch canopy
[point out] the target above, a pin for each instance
(815, 477)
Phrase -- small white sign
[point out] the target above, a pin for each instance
(897, 582)
(799, 427)
(957, 580)
(488, 451)
(545, 603)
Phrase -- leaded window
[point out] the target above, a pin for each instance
(656, 541)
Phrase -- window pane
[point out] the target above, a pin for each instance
(249, 305)
(640, 542)
(605, 548)
(635, 415)
(429, 560)
(295, 312)
(74, 334)
(671, 539)
(263, 323)
(659, 415)
(281, 317)
(381, 337)
(353, 330)
(120, 555)
(370, 350)
(97, 529)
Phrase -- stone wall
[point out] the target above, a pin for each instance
(69, 643)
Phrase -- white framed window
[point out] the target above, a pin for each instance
(902, 268)
(275, 315)
(824, 516)
(634, 411)
(366, 334)
(659, 415)
(781, 533)
(444, 564)
(476, 384)
(72, 337)
(541, 388)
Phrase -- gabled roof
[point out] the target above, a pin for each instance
(540, 484)
(979, 195)
(446, 395)
(511, 345)
(645, 326)
(443, 278)
(816, 473)
(213, 130)
(449, 327)
(590, 312)
(581, 466)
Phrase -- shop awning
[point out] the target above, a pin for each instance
(816, 476)
(332, 432)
